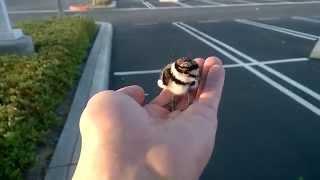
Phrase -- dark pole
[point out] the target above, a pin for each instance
(60, 8)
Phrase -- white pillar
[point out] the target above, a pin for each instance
(4, 18)
(6, 31)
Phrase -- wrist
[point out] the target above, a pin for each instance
(99, 168)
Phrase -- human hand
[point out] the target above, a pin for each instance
(124, 139)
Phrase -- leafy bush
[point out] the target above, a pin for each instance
(31, 88)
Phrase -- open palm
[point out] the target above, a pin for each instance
(124, 139)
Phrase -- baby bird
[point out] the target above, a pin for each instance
(180, 76)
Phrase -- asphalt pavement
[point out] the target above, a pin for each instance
(194, 13)
(152, 4)
(269, 117)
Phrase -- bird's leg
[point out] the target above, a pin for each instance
(173, 103)
(188, 99)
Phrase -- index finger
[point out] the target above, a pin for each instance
(211, 90)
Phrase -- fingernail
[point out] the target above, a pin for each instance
(216, 66)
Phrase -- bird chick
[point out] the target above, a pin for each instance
(180, 76)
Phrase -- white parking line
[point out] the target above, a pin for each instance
(279, 61)
(243, 1)
(208, 21)
(220, 3)
(147, 4)
(268, 18)
(146, 24)
(279, 29)
(306, 19)
(227, 66)
(218, 47)
(211, 2)
(276, 1)
(183, 4)
(267, 68)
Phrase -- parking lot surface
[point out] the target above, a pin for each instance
(269, 117)
(153, 4)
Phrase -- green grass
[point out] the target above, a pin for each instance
(32, 87)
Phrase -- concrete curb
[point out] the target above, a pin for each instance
(95, 78)
(101, 76)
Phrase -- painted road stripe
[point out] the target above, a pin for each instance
(279, 61)
(227, 66)
(148, 4)
(145, 4)
(306, 19)
(243, 1)
(267, 68)
(285, 29)
(268, 18)
(220, 3)
(211, 2)
(183, 4)
(146, 24)
(208, 21)
(151, 6)
(279, 29)
(275, 1)
(262, 76)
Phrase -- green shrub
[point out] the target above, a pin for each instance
(31, 88)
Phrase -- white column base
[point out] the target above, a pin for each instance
(13, 35)
(315, 54)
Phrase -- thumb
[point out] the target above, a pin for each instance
(135, 92)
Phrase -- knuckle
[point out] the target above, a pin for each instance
(102, 95)
(137, 87)
(218, 60)
(98, 111)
